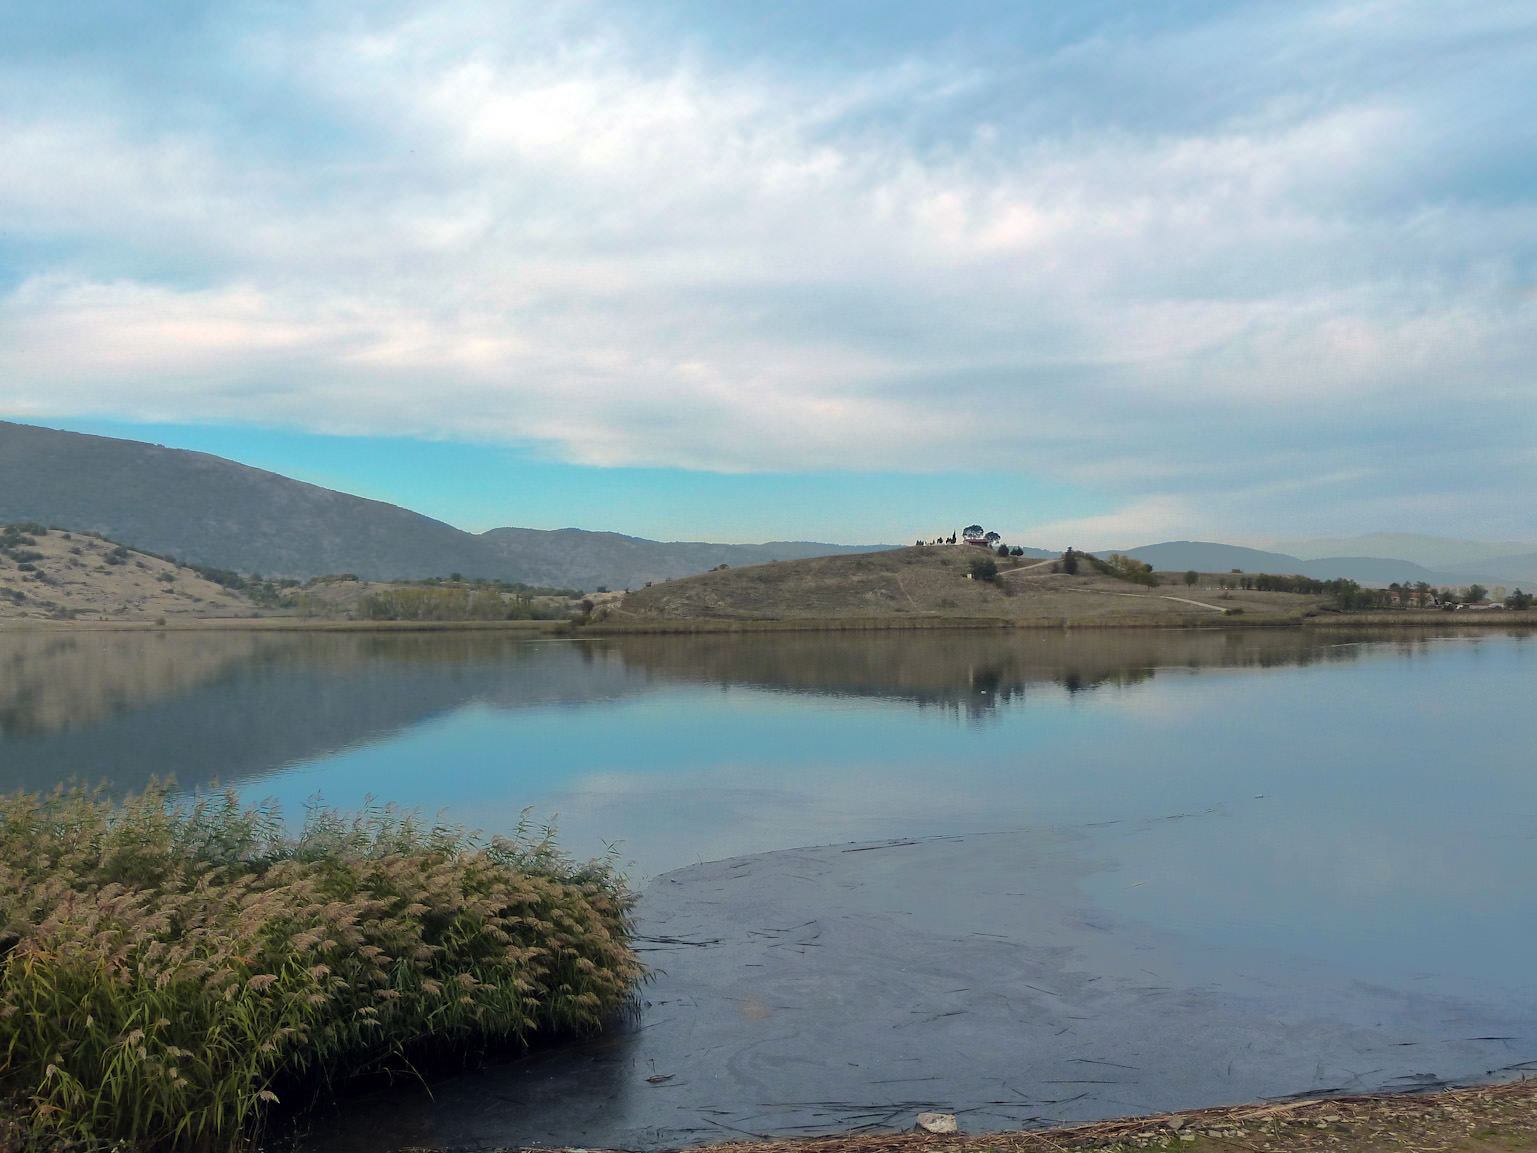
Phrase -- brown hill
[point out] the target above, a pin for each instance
(51, 574)
(930, 583)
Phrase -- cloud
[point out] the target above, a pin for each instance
(1143, 521)
(1163, 259)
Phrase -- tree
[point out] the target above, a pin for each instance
(1003, 550)
(992, 538)
(1476, 593)
(1016, 551)
(1192, 577)
(1518, 600)
(1070, 562)
(984, 568)
(972, 531)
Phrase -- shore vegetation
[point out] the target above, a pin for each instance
(175, 970)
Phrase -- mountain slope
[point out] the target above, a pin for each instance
(1208, 556)
(574, 557)
(1512, 569)
(1444, 554)
(211, 511)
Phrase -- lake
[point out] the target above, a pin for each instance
(1023, 876)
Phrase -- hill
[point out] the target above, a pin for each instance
(216, 512)
(926, 583)
(56, 575)
(52, 574)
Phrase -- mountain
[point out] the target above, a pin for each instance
(1434, 552)
(1374, 570)
(1521, 570)
(1208, 556)
(211, 511)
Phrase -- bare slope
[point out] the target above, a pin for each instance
(56, 575)
(926, 582)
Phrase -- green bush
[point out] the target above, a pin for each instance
(1127, 569)
(171, 968)
(983, 568)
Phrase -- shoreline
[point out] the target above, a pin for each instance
(1498, 1110)
(714, 626)
(278, 624)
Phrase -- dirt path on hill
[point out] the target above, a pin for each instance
(1151, 596)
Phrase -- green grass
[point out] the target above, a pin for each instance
(171, 969)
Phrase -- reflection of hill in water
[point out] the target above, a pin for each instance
(236, 705)
(233, 706)
(975, 671)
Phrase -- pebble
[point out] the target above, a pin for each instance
(937, 1123)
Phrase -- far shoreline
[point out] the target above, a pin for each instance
(1418, 621)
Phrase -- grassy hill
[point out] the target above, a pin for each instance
(931, 583)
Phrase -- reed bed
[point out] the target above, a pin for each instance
(172, 969)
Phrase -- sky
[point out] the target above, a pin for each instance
(1100, 273)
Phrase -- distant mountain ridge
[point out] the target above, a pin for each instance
(1434, 552)
(212, 511)
(208, 510)
(1209, 556)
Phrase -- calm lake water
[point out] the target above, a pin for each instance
(1364, 806)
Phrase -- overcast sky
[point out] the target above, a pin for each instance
(1091, 273)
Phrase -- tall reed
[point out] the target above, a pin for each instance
(171, 967)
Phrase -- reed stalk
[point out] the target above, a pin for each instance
(171, 968)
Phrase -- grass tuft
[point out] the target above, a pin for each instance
(171, 969)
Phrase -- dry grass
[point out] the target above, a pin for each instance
(930, 585)
(172, 969)
(53, 575)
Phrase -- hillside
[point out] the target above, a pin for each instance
(53, 574)
(908, 584)
(56, 575)
(213, 511)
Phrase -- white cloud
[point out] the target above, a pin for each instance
(532, 225)
(1142, 521)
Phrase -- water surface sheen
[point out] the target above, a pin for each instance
(1324, 841)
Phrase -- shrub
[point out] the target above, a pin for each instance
(172, 967)
(983, 568)
(1127, 569)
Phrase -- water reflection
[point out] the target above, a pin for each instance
(232, 706)
(971, 672)
(1320, 811)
